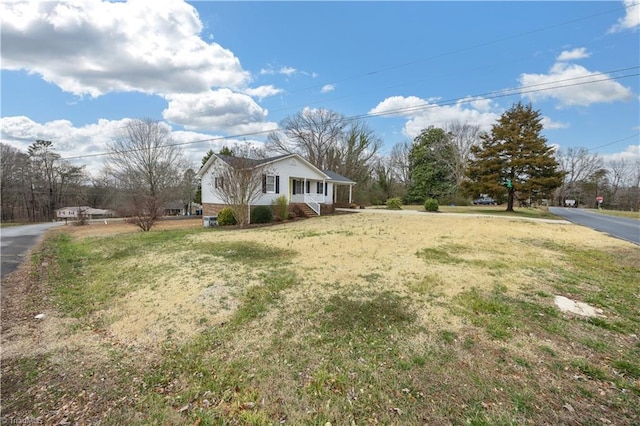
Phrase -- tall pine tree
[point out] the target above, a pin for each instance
(514, 157)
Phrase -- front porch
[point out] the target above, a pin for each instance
(315, 193)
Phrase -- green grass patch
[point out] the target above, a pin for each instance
(246, 252)
(492, 312)
(87, 275)
(589, 370)
(258, 299)
(438, 255)
(344, 315)
(617, 213)
(628, 368)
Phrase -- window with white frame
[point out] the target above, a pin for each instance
(218, 181)
(270, 184)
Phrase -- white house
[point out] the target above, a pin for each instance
(290, 175)
(88, 212)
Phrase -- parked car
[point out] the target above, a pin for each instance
(485, 201)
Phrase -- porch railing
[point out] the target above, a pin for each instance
(312, 203)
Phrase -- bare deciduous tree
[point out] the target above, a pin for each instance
(579, 166)
(329, 141)
(239, 180)
(187, 190)
(148, 166)
(312, 133)
(14, 184)
(37, 183)
(399, 161)
(462, 136)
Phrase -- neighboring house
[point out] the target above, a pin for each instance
(86, 211)
(290, 175)
(178, 208)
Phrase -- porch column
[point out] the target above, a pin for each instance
(324, 191)
(350, 188)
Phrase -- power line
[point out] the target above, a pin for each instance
(508, 92)
(468, 48)
(430, 79)
(466, 99)
(637, 135)
(389, 68)
(438, 56)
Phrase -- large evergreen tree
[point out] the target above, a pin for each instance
(429, 173)
(514, 156)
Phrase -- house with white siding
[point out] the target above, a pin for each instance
(302, 183)
(76, 212)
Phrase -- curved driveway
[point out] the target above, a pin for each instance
(15, 241)
(618, 227)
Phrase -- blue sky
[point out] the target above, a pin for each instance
(75, 72)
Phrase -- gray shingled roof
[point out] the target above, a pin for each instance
(232, 161)
(336, 177)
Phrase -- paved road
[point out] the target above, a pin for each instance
(618, 227)
(15, 241)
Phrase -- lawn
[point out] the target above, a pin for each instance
(525, 212)
(630, 215)
(344, 319)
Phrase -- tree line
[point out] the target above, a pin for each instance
(454, 163)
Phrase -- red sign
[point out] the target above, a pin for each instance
(599, 199)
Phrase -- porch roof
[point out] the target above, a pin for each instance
(338, 179)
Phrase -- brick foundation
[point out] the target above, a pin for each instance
(209, 209)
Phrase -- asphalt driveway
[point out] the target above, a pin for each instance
(16, 241)
(619, 227)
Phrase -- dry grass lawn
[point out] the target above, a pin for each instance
(439, 265)
(335, 252)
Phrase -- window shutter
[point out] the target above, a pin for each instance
(264, 184)
(221, 182)
(326, 185)
(293, 184)
(277, 184)
(308, 187)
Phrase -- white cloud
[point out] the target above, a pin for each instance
(631, 20)
(288, 71)
(80, 144)
(577, 53)
(399, 106)
(94, 47)
(328, 88)
(194, 150)
(424, 113)
(68, 140)
(631, 154)
(601, 89)
(217, 110)
(263, 91)
(549, 124)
